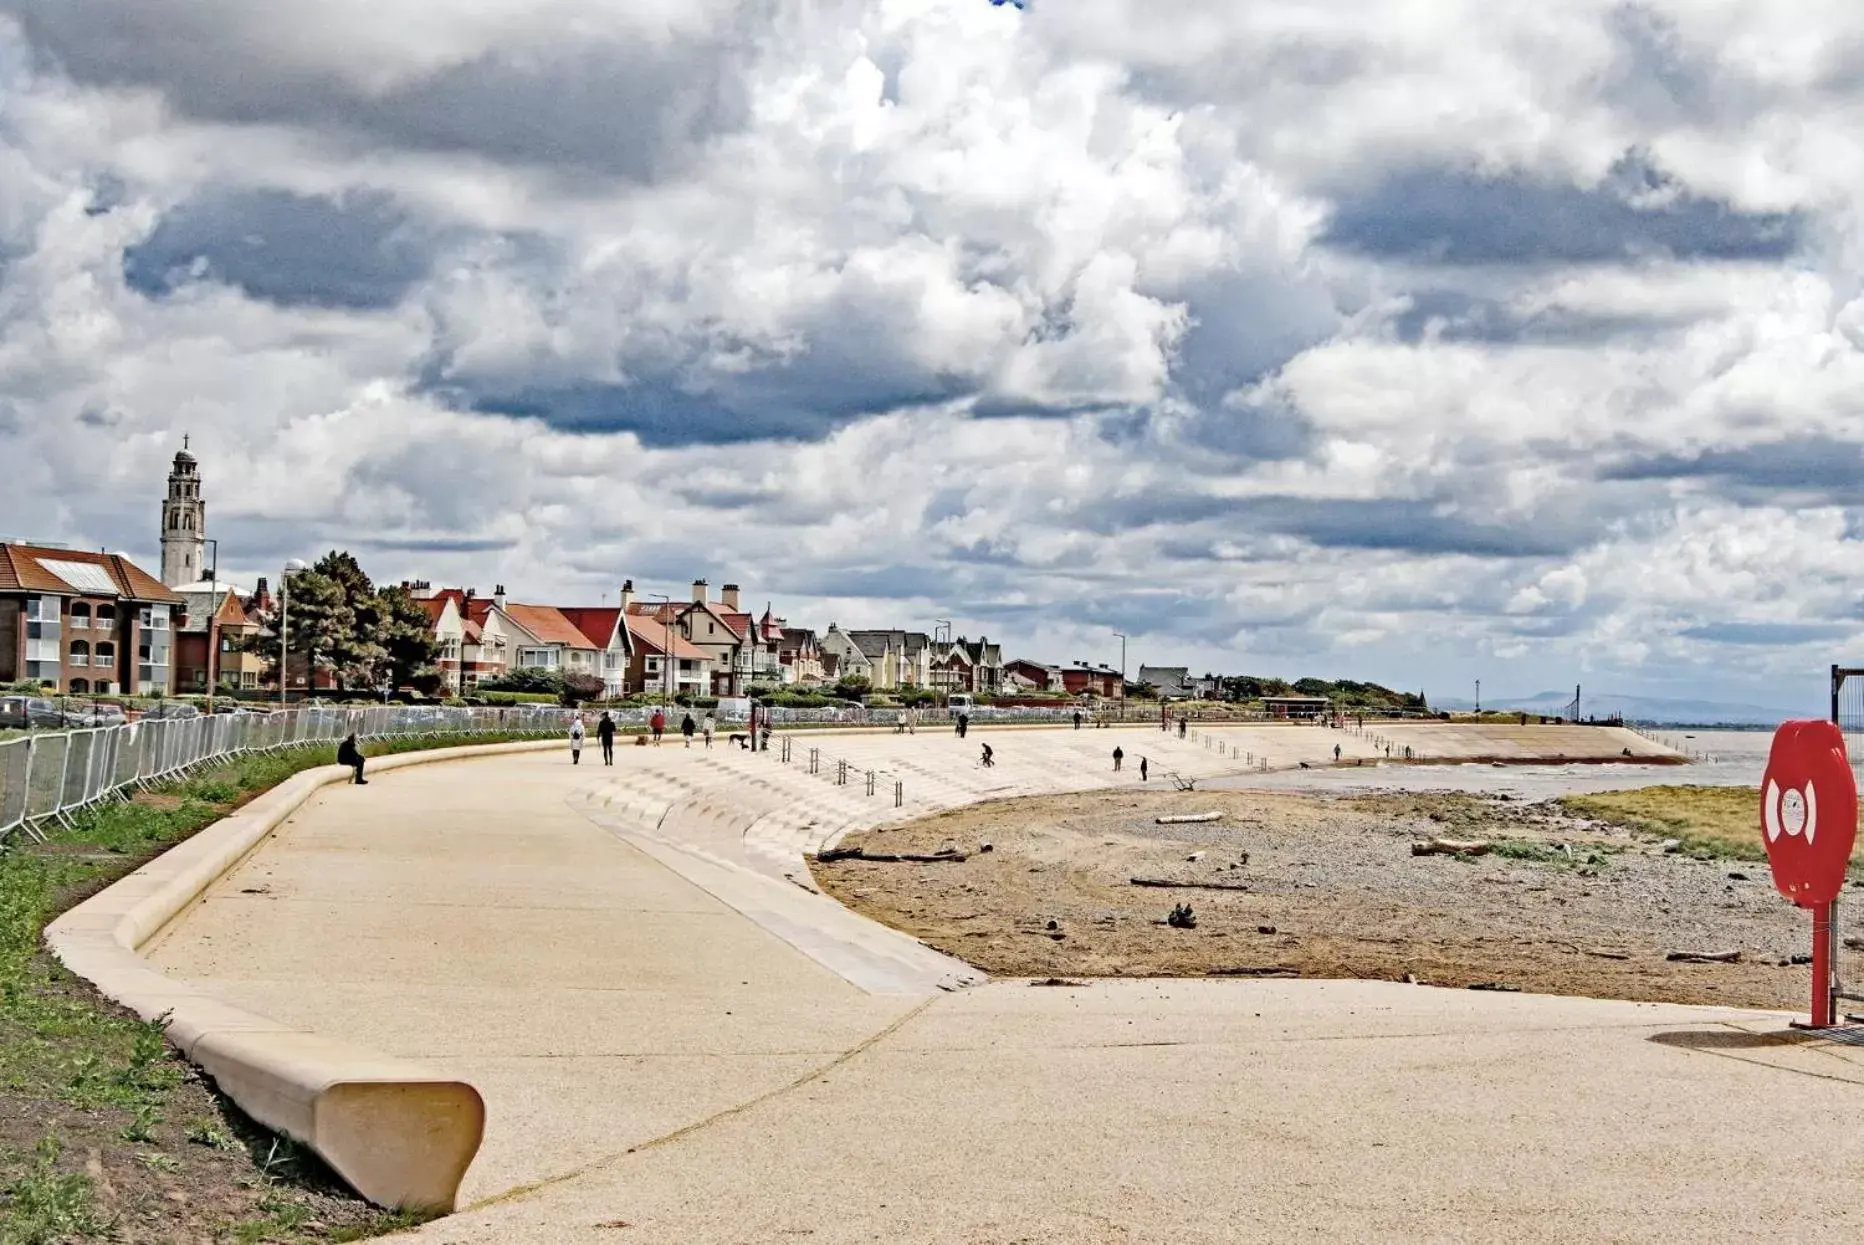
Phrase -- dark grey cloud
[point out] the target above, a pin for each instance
(1396, 524)
(1767, 635)
(436, 544)
(1457, 316)
(1454, 217)
(360, 252)
(632, 109)
(1830, 469)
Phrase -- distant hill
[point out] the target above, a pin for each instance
(1341, 691)
(1639, 709)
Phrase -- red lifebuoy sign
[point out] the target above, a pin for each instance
(1809, 812)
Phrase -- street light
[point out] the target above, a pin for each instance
(284, 625)
(1122, 636)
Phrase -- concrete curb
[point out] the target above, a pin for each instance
(400, 1135)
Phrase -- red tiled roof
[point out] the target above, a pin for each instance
(21, 570)
(595, 622)
(548, 624)
(651, 634)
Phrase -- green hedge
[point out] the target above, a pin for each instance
(515, 698)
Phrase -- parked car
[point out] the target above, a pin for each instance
(170, 710)
(86, 715)
(30, 712)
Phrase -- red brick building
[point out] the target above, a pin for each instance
(80, 623)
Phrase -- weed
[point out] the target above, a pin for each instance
(204, 1132)
(159, 1162)
(45, 1206)
(142, 1127)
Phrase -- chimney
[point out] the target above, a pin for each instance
(627, 594)
(729, 597)
(699, 592)
(469, 593)
(498, 595)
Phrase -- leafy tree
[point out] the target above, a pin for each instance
(410, 653)
(319, 619)
(578, 687)
(853, 686)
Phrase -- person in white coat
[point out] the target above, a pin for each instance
(576, 738)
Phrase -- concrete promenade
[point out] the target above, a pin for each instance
(673, 1032)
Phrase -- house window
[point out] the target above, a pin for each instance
(43, 634)
(106, 616)
(152, 651)
(538, 658)
(80, 654)
(80, 616)
(105, 654)
(653, 665)
(80, 687)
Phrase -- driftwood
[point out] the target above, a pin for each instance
(1168, 884)
(1275, 971)
(1186, 819)
(1451, 847)
(891, 858)
(1704, 957)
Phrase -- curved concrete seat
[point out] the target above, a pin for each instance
(399, 1134)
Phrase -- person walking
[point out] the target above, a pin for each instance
(710, 726)
(1077, 719)
(1119, 755)
(1336, 752)
(1142, 769)
(1184, 724)
(988, 759)
(687, 727)
(576, 738)
(349, 754)
(605, 735)
(964, 724)
(657, 724)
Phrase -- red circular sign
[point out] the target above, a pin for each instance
(1809, 811)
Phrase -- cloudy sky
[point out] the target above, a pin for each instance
(1416, 340)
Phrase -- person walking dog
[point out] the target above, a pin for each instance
(605, 735)
(349, 754)
(658, 724)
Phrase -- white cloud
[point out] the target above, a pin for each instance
(1407, 341)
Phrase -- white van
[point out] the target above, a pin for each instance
(958, 703)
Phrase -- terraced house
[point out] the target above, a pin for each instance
(80, 623)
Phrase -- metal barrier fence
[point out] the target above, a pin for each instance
(46, 776)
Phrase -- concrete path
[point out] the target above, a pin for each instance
(673, 1032)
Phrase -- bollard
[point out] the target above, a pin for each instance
(899, 793)
(870, 782)
(815, 760)
(841, 773)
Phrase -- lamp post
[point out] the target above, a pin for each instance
(284, 627)
(666, 651)
(213, 637)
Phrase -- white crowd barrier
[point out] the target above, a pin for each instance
(48, 775)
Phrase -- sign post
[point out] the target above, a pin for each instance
(1809, 821)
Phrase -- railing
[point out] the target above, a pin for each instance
(48, 775)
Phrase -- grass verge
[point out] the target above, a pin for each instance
(105, 1134)
(1722, 822)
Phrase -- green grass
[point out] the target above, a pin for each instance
(58, 1046)
(1720, 822)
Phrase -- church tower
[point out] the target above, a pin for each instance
(184, 523)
